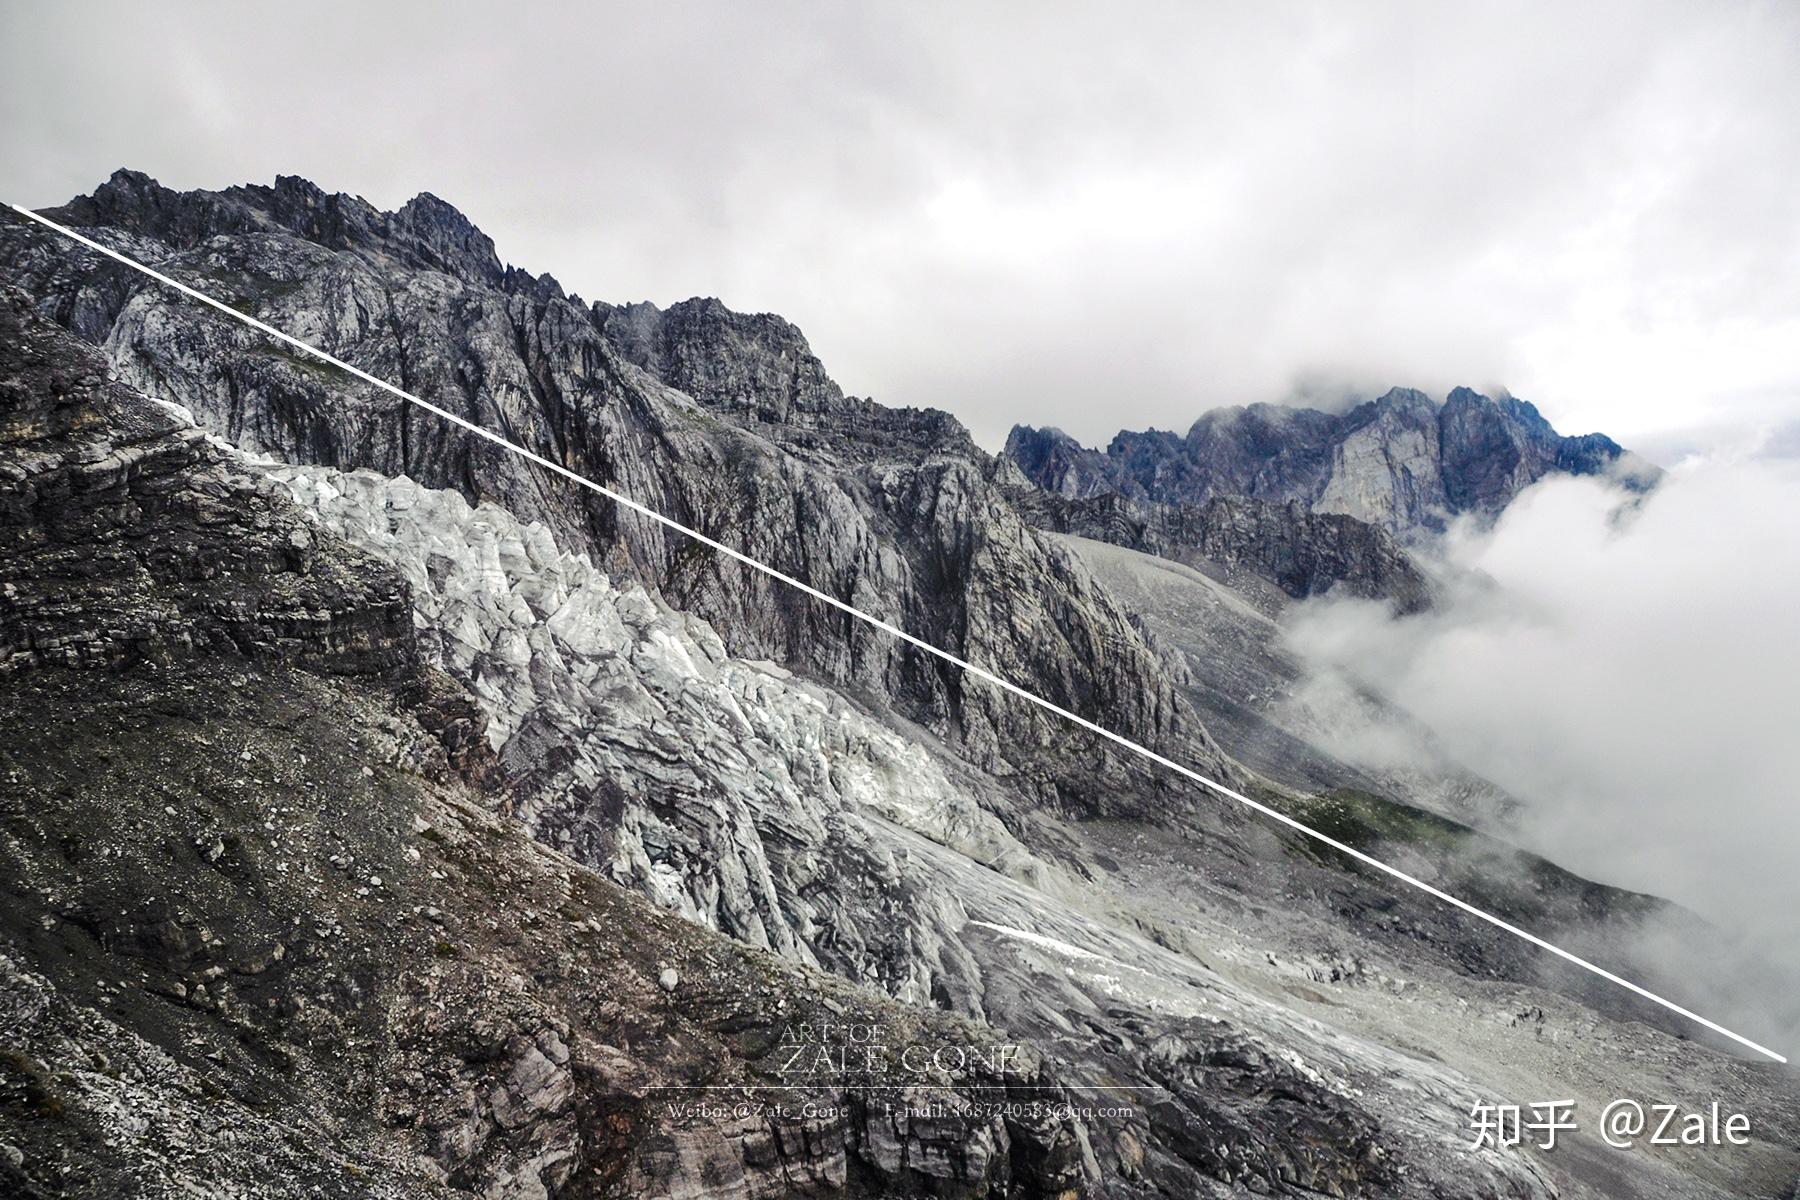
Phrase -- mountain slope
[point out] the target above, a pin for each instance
(319, 914)
(849, 806)
(1287, 721)
(1272, 552)
(263, 933)
(925, 542)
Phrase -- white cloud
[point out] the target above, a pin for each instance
(1630, 671)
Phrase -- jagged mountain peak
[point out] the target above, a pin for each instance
(751, 365)
(426, 231)
(758, 364)
(1404, 395)
(1403, 461)
(1028, 443)
(1397, 401)
(1254, 420)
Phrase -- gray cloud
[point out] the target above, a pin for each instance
(1627, 669)
(1078, 218)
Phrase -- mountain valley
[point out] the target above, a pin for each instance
(379, 801)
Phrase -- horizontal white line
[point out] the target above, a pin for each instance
(980, 672)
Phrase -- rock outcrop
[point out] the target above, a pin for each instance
(114, 549)
(1247, 543)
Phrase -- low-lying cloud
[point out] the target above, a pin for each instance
(1627, 667)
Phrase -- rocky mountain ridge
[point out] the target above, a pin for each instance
(924, 541)
(1402, 461)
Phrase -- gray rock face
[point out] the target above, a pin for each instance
(116, 556)
(1402, 462)
(907, 527)
(758, 369)
(262, 933)
(757, 366)
(1246, 542)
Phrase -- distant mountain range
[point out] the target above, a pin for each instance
(1402, 462)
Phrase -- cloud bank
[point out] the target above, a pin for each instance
(1628, 669)
(1077, 216)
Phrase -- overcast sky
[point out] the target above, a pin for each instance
(1071, 215)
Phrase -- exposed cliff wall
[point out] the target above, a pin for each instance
(262, 932)
(916, 535)
(1246, 543)
(110, 521)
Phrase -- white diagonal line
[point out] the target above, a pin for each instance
(980, 672)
